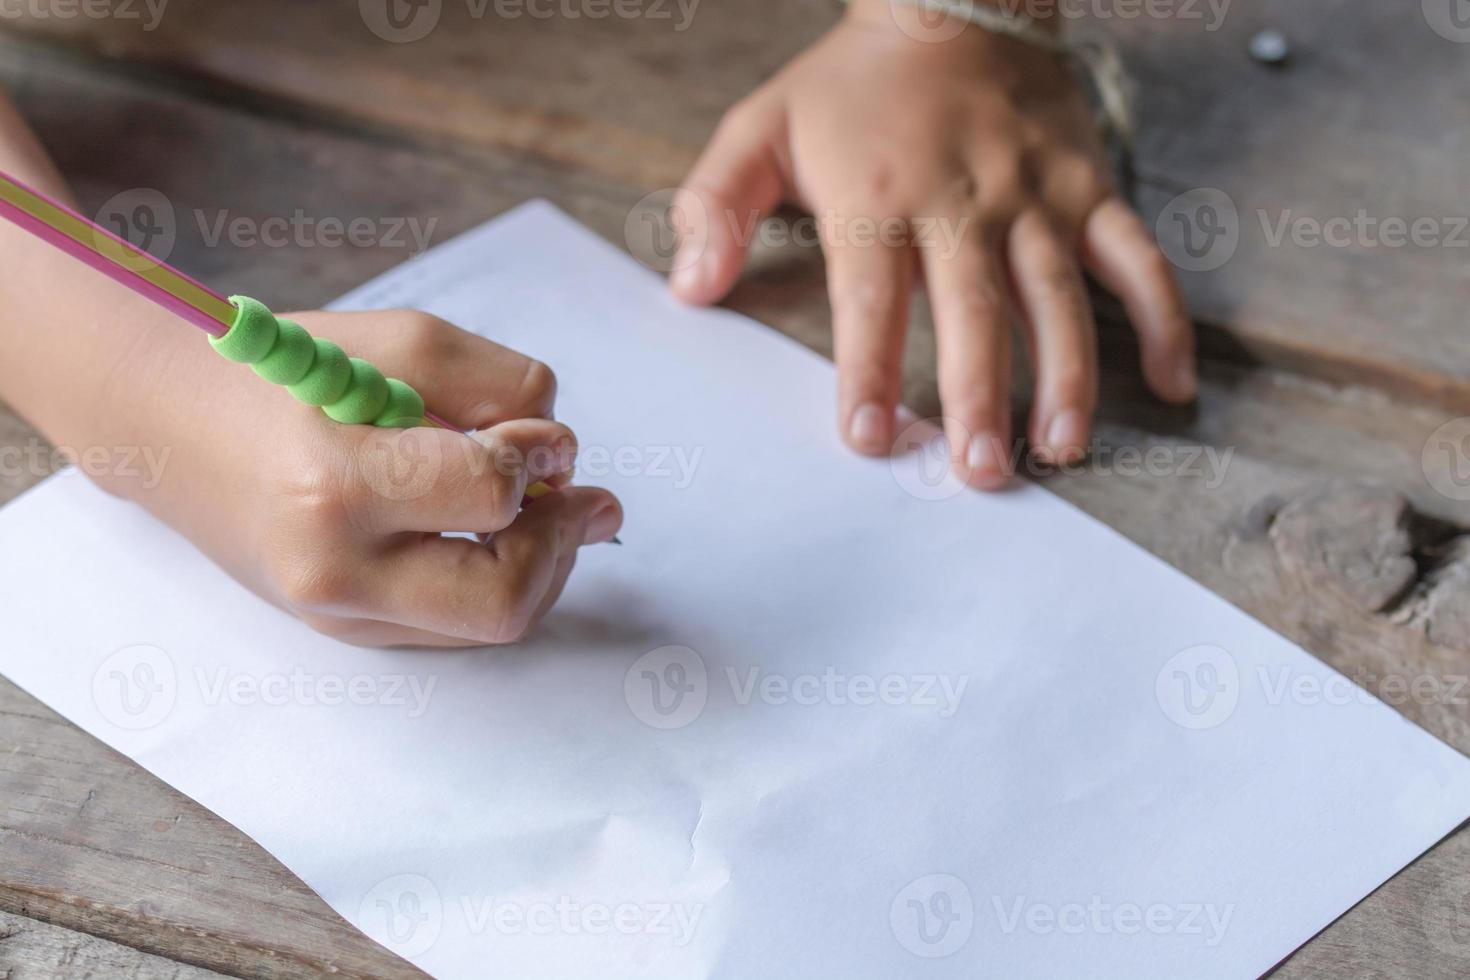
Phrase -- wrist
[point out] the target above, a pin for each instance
(929, 20)
(86, 360)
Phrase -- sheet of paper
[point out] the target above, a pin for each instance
(820, 716)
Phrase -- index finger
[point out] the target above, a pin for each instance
(431, 479)
(468, 380)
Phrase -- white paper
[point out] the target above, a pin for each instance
(986, 736)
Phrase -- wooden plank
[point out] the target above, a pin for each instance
(93, 844)
(1414, 926)
(31, 950)
(90, 842)
(1365, 126)
(1370, 114)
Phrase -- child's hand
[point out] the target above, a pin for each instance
(972, 162)
(339, 524)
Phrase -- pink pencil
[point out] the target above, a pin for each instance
(114, 257)
(123, 262)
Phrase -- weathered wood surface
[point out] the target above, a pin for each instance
(31, 950)
(90, 843)
(1370, 114)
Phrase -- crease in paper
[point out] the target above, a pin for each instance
(554, 811)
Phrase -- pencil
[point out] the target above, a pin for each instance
(167, 287)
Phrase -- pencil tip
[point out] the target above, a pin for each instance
(614, 540)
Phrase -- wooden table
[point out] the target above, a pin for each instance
(1328, 367)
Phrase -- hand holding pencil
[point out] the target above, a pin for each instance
(344, 521)
(338, 524)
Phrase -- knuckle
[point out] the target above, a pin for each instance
(514, 608)
(421, 335)
(880, 184)
(744, 117)
(307, 497)
(868, 192)
(1058, 280)
(967, 192)
(503, 495)
(975, 301)
(996, 190)
(865, 300)
(1076, 170)
(309, 585)
(500, 483)
(537, 391)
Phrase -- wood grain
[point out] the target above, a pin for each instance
(90, 843)
(31, 950)
(633, 99)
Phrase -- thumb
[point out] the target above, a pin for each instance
(716, 211)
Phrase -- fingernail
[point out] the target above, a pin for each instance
(603, 525)
(1066, 434)
(869, 428)
(689, 275)
(553, 461)
(983, 460)
(1069, 428)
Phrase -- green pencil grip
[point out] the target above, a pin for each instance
(349, 390)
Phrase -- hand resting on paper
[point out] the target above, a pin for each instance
(944, 152)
